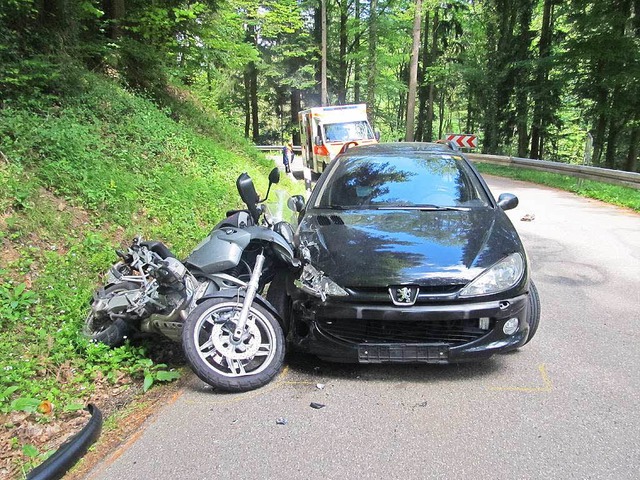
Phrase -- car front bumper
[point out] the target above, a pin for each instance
(313, 317)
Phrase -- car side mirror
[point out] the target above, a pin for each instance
(377, 135)
(296, 203)
(507, 201)
(318, 140)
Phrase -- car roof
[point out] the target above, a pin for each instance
(400, 148)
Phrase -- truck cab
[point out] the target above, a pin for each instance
(326, 131)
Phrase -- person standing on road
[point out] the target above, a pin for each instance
(287, 157)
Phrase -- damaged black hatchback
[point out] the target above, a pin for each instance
(408, 258)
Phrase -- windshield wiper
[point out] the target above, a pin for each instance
(335, 207)
(427, 208)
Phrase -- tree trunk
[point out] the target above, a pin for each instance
(356, 62)
(342, 62)
(372, 64)
(324, 97)
(114, 11)
(631, 165)
(615, 126)
(522, 76)
(413, 73)
(431, 88)
(423, 89)
(490, 142)
(441, 115)
(253, 78)
(541, 82)
(317, 35)
(295, 108)
(247, 104)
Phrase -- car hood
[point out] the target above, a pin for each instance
(375, 248)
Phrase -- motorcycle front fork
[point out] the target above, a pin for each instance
(252, 289)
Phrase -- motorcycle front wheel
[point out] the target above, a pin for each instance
(105, 329)
(227, 365)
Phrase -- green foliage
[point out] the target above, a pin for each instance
(84, 170)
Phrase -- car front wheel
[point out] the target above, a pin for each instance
(534, 310)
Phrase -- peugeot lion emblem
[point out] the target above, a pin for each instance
(404, 296)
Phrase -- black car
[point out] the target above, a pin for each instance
(408, 258)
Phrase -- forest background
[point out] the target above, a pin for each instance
(530, 77)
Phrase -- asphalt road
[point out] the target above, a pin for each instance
(565, 406)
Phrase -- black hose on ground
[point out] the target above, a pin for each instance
(71, 451)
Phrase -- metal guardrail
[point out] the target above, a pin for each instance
(277, 148)
(616, 177)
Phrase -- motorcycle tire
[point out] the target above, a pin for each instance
(250, 364)
(278, 297)
(108, 331)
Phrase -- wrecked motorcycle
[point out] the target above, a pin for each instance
(232, 337)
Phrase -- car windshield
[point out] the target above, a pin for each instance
(347, 131)
(427, 181)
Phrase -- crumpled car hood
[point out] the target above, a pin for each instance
(376, 248)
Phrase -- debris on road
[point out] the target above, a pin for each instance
(281, 421)
(320, 386)
(317, 406)
(529, 217)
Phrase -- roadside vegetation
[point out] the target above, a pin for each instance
(81, 175)
(617, 195)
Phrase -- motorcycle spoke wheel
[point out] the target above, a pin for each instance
(233, 365)
(215, 344)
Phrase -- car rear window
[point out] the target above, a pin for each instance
(434, 180)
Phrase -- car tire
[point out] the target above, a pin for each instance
(534, 310)
(277, 296)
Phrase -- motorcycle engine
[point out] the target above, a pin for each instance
(171, 274)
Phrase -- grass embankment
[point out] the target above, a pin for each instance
(80, 176)
(614, 194)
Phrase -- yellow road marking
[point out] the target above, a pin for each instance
(548, 386)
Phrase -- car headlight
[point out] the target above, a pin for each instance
(316, 283)
(500, 277)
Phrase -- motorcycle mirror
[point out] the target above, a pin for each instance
(296, 203)
(248, 194)
(274, 177)
(318, 140)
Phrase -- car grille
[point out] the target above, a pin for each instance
(451, 332)
(381, 294)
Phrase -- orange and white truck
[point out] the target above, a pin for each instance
(327, 131)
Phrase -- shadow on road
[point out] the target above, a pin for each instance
(303, 365)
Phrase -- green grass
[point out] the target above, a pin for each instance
(83, 175)
(617, 195)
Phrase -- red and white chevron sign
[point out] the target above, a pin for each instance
(463, 140)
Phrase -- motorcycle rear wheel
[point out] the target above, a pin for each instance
(106, 330)
(251, 363)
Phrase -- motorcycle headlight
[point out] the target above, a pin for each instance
(316, 283)
(500, 277)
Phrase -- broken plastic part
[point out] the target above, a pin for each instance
(281, 421)
(316, 283)
(316, 405)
